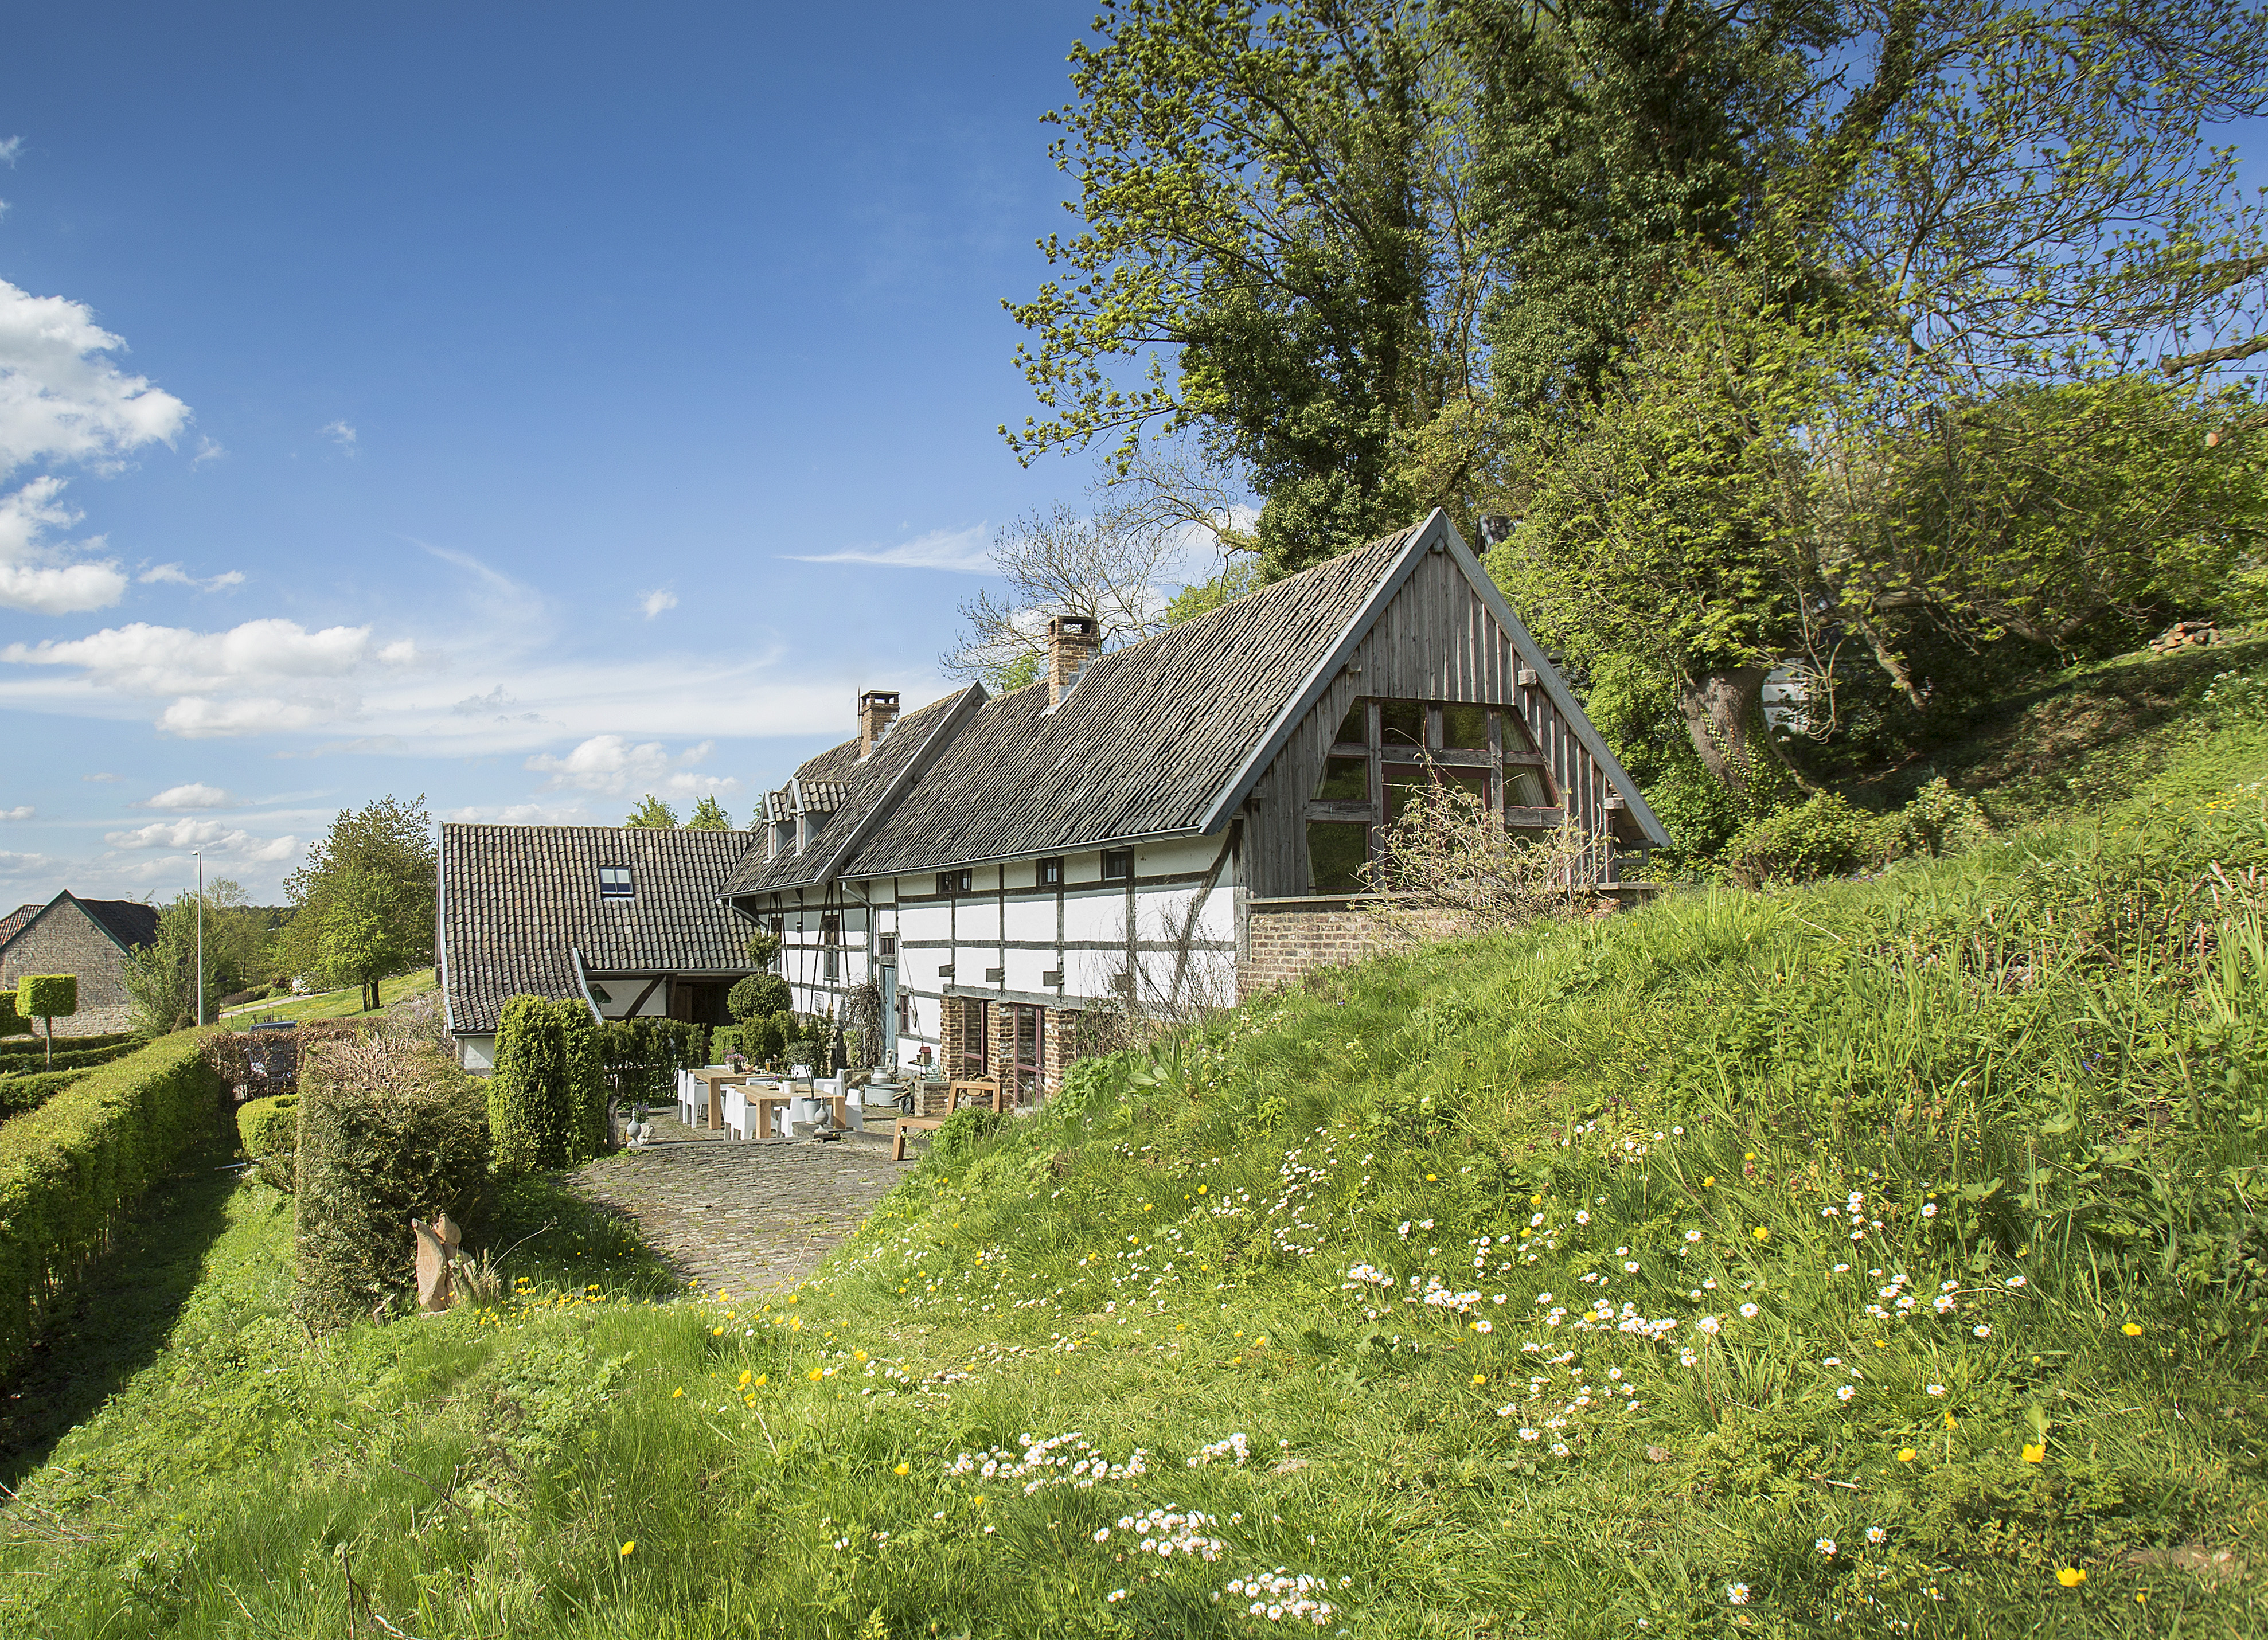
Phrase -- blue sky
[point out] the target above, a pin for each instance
(454, 399)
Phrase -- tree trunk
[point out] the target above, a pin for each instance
(1724, 713)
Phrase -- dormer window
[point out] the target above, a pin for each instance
(615, 882)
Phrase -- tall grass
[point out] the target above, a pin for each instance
(1593, 1280)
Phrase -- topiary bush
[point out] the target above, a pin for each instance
(767, 1037)
(13, 1022)
(48, 997)
(641, 1057)
(758, 996)
(547, 1099)
(390, 1130)
(1825, 837)
(269, 1129)
(69, 1168)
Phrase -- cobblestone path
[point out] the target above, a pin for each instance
(745, 1215)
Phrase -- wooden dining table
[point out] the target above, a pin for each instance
(714, 1080)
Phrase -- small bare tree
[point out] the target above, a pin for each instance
(1449, 868)
(1105, 564)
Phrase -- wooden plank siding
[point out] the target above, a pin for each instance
(1436, 640)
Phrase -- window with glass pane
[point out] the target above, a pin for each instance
(1523, 788)
(1465, 728)
(1337, 850)
(1402, 724)
(1345, 779)
(1401, 779)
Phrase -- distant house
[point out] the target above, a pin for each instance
(91, 938)
(1175, 822)
(625, 918)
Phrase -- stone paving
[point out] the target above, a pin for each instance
(744, 1215)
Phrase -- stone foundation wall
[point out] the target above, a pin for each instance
(65, 940)
(1287, 939)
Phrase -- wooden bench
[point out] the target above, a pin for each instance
(926, 1124)
(986, 1092)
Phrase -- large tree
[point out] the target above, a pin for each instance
(382, 858)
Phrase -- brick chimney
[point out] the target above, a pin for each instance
(878, 710)
(1073, 641)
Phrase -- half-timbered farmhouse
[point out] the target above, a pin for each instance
(1175, 822)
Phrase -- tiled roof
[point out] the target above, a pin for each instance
(518, 901)
(1144, 743)
(128, 921)
(866, 790)
(16, 919)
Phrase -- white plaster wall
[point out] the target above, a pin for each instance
(476, 1054)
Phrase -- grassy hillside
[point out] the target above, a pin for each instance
(337, 1004)
(1882, 1258)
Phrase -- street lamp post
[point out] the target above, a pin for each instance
(200, 980)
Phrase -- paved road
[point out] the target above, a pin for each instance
(745, 1215)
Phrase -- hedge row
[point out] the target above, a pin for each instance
(70, 1058)
(547, 1097)
(36, 1046)
(641, 1057)
(70, 1168)
(18, 1094)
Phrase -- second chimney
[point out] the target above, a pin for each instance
(1071, 642)
(878, 710)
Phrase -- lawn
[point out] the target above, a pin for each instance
(339, 1005)
(1877, 1258)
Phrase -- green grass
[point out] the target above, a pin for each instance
(339, 1005)
(2039, 1069)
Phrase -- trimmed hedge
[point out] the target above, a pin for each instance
(69, 1168)
(10, 1051)
(547, 1095)
(70, 1058)
(758, 995)
(33, 1088)
(641, 1057)
(269, 1129)
(13, 1023)
(390, 1130)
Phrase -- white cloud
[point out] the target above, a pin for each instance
(98, 777)
(60, 398)
(195, 795)
(964, 552)
(9, 149)
(210, 835)
(22, 811)
(609, 763)
(34, 573)
(573, 812)
(208, 450)
(255, 678)
(175, 575)
(340, 434)
(658, 599)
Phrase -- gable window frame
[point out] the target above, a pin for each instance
(1118, 865)
(617, 882)
(951, 883)
(1344, 830)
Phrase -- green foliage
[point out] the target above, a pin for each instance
(48, 996)
(765, 1037)
(74, 1056)
(652, 814)
(388, 1129)
(386, 842)
(764, 949)
(160, 977)
(1936, 820)
(13, 1022)
(756, 997)
(709, 815)
(1825, 837)
(268, 1131)
(31, 1088)
(10, 1053)
(547, 1097)
(363, 923)
(641, 1057)
(70, 1167)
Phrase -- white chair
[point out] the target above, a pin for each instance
(688, 1092)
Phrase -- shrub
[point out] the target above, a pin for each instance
(547, 1099)
(269, 1129)
(1937, 821)
(48, 997)
(13, 1022)
(758, 996)
(390, 1130)
(641, 1057)
(69, 1057)
(33, 1089)
(70, 1167)
(1825, 837)
(724, 1040)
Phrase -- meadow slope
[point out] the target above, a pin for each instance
(1879, 1258)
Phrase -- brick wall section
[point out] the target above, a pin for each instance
(65, 940)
